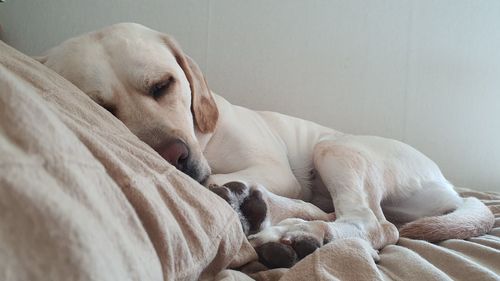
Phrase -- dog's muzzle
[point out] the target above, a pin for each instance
(178, 154)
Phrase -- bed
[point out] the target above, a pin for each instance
(82, 198)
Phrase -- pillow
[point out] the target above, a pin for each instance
(82, 198)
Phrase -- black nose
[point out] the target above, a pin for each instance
(177, 154)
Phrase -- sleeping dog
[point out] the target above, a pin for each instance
(286, 175)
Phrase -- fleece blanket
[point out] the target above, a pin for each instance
(81, 198)
(476, 258)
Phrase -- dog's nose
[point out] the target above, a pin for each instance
(177, 154)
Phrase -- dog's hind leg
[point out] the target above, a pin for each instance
(435, 198)
(347, 173)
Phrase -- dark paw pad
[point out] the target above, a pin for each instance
(247, 201)
(305, 246)
(276, 255)
(254, 209)
(224, 193)
(236, 187)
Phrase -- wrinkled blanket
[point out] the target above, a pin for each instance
(81, 198)
(473, 259)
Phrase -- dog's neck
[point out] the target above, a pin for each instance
(203, 139)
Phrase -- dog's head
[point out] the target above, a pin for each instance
(144, 79)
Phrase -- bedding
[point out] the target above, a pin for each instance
(82, 198)
(476, 258)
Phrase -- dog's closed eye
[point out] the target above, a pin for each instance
(161, 88)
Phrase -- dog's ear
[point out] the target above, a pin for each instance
(203, 106)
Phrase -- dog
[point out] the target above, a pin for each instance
(283, 175)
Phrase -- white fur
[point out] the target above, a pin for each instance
(290, 157)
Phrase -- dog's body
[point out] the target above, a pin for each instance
(368, 180)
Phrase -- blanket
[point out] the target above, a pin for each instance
(476, 258)
(82, 198)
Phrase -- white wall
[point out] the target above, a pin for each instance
(425, 72)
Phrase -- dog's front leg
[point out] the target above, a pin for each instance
(259, 208)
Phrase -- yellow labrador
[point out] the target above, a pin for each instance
(270, 160)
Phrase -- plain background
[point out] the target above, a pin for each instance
(424, 72)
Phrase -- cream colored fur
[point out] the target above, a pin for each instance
(371, 181)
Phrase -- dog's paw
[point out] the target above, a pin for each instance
(280, 255)
(291, 240)
(247, 201)
(276, 255)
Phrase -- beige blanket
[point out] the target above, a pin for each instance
(474, 259)
(81, 198)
